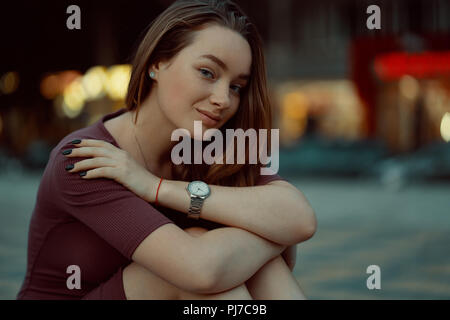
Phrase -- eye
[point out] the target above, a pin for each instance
(238, 89)
(206, 72)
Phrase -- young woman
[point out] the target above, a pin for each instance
(113, 213)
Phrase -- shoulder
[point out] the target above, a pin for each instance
(71, 184)
(94, 131)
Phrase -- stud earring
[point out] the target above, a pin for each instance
(152, 74)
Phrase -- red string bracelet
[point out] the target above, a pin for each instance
(157, 191)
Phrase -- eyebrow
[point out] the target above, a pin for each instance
(223, 65)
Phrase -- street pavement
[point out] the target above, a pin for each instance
(404, 230)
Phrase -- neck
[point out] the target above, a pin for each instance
(152, 131)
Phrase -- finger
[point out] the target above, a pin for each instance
(95, 143)
(103, 172)
(87, 152)
(90, 164)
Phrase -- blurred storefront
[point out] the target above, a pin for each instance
(336, 86)
(413, 103)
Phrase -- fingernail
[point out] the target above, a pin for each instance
(66, 152)
(77, 141)
(69, 167)
(82, 174)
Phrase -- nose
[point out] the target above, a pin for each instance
(220, 97)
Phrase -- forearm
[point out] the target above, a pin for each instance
(238, 254)
(275, 281)
(276, 213)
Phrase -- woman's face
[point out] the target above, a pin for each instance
(206, 77)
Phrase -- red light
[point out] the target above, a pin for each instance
(394, 65)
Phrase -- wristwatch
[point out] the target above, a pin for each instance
(198, 191)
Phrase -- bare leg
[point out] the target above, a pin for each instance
(141, 284)
(272, 281)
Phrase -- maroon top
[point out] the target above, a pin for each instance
(94, 224)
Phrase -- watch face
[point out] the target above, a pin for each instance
(198, 188)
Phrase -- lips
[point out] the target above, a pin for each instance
(210, 115)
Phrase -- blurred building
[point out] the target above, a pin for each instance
(330, 76)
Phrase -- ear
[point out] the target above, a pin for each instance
(152, 73)
(160, 66)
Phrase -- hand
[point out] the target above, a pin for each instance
(108, 161)
(290, 256)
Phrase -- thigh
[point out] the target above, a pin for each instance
(141, 284)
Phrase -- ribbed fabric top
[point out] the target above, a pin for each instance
(94, 224)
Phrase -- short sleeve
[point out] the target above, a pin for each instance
(112, 211)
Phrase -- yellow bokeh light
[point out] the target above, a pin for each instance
(74, 98)
(9, 82)
(118, 78)
(295, 106)
(445, 127)
(409, 87)
(94, 82)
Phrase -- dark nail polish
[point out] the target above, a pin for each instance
(82, 174)
(69, 167)
(77, 141)
(66, 152)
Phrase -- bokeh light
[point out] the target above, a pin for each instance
(409, 87)
(54, 84)
(9, 82)
(445, 127)
(295, 114)
(94, 82)
(74, 99)
(118, 77)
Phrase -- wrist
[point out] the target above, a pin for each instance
(172, 194)
(157, 190)
(152, 188)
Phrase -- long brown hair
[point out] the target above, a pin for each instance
(171, 32)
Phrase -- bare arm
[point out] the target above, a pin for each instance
(239, 255)
(220, 259)
(209, 263)
(277, 211)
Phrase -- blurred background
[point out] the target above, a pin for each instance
(364, 118)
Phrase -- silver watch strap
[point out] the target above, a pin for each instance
(195, 207)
